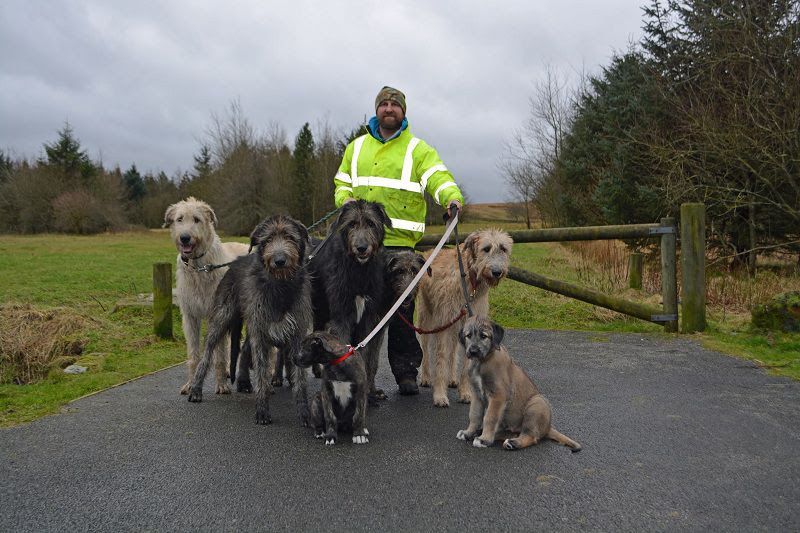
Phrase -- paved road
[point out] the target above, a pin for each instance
(674, 437)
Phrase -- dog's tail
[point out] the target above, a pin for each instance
(563, 439)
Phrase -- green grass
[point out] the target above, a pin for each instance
(91, 274)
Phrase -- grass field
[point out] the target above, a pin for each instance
(88, 276)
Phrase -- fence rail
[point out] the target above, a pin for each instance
(693, 267)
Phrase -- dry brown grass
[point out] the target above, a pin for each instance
(32, 341)
(603, 265)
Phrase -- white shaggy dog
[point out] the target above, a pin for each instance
(191, 223)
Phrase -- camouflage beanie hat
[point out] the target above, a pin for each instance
(392, 94)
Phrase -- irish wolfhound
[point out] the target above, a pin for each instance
(191, 223)
(504, 398)
(271, 291)
(440, 299)
(341, 403)
(348, 283)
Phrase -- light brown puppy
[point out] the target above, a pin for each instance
(191, 224)
(504, 398)
(486, 254)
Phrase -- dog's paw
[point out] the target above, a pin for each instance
(223, 388)
(196, 395)
(303, 416)
(463, 434)
(360, 439)
(366, 431)
(277, 382)
(319, 434)
(424, 381)
(330, 441)
(480, 443)
(263, 416)
(186, 387)
(510, 444)
(244, 386)
(441, 401)
(464, 398)
(452, 384)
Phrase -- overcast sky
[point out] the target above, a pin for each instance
(139, 81)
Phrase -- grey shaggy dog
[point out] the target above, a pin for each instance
(348, 277)
(270, 290)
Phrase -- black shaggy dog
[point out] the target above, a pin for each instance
(341, 403)
(347, 276)
(270, 290)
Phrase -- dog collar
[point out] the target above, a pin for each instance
(341, 358)
(186, 261)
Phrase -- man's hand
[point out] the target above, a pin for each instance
(348, 200)
(453, 207)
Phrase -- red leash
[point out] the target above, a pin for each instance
(431, 331)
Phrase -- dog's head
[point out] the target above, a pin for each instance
(361, 227)
(400, 268)
(281, 243)
(480, 337)
(191, 223)
(319, 347)
(487, 255)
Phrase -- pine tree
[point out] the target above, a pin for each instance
(303, 189)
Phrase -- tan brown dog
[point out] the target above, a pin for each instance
(504, 398)
(486, 254)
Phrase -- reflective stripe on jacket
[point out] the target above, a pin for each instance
(396, 173)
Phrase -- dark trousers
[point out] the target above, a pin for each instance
(405, 353)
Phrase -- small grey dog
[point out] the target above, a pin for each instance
(341, 403)
(504, 398)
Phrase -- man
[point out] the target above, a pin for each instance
(391, 166)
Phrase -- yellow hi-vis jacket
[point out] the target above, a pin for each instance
(396, 173)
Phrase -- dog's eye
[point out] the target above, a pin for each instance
(179, 219)
(487, 249)
(196, 220)
(484, 336)
(468, 336)
(503, 249)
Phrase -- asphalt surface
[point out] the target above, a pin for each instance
(674, 438)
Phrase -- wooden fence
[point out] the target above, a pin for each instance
(692, 235)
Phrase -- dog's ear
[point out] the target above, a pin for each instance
(497, 335)
(169, 215)
(461, 338)
(257, 235)
(471, 244)
(331, 344)
(208, 213)
(421, 262)
(384, 218)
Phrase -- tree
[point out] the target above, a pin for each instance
(67, 158)
(729, 73)
(303, 189)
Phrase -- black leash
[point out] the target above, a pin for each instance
(461, 266)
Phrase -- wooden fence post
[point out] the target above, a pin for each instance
(635, 268)
(693, 264)
(669, 275)
(162, 300)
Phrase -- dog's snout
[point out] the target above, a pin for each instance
(186, 238)
(362, 248)
(497, 272)
(279, 260)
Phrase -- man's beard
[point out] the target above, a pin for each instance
(391, 125)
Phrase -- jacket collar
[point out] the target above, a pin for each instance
(375, 132)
